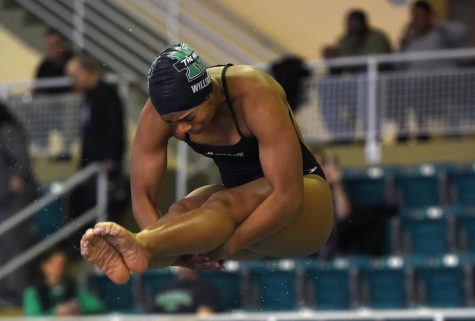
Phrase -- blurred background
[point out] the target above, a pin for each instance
(384, 94)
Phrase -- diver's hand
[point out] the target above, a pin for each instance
(199, 262)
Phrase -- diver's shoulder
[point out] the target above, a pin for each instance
(245, 71)
(249, 75)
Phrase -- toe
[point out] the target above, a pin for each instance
(88, 235)
(120, 277)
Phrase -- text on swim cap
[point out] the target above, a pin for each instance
(188, 61)
(201, 84)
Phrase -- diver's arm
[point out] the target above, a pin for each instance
(148, 165)
(267, 117)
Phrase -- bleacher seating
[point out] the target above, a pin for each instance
(426, 234)
(440, 282)
(382, 283)
(328, 285)
(466, 232)
(117, 298)
(433, 269)
(154, 281)
(274, 285)
(228, 284)
(418, 186)
(463, 185)
(367, 187)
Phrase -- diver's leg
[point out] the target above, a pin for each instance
(308, 230)
(204, 229)
(96, 249)
(195, 232)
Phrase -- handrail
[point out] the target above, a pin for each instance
(394, 58)
(49, 242)
(37, 205)
(372, 148)
(36, 84)
(97, 212)
(436, 314)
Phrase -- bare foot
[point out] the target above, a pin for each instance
(134, 254)
(96, 249)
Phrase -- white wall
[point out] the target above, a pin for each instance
(305, 26)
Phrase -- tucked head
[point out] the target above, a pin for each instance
(179, 87)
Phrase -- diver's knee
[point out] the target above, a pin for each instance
(222, 200)
(178, 208)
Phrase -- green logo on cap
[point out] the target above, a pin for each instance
(189, 60)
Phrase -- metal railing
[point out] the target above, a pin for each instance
(359, 105)
(51, 121)
(307, 315)
(121, 41)
(98, 212)
(371, 105)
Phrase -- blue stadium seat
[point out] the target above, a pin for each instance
(418, 186)
(275, 284)
(440, 282)
(425, 211)
(328, 285)
(426, 234)
(463, 184)
(117, 298)
(466, 231)
(228, 284)
(154, 281)
(382, 283)
(366, 187)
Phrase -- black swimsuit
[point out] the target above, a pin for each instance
(239, 163)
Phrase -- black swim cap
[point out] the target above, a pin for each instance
(178, 80)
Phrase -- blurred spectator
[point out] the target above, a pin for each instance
(341, 203)
(56, 293)
(425, 95)
(53, 65)
(188, 294)
(102, 115)
(17, 189)
(102, 133)
(361, 39)
(342, 100)
(290, 72)
(357, 230)
(333, 174)
(57, 54)
(426, 32)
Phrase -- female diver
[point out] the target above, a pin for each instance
(273, 200)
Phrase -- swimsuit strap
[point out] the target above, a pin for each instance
(228, 99)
